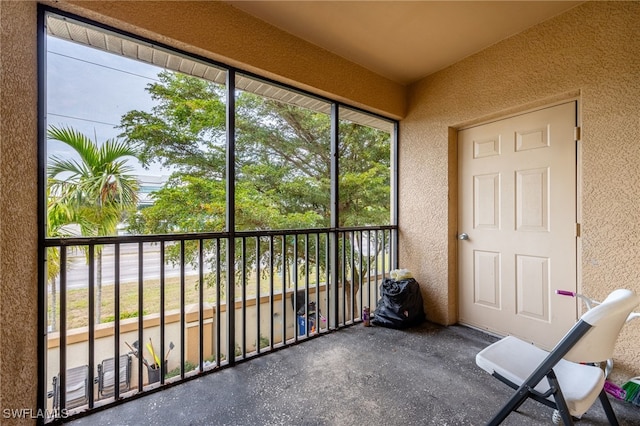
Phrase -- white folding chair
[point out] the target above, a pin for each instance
(572, 384)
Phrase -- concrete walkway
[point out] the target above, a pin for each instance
(355, 376)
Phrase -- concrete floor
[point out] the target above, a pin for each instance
(355, 376)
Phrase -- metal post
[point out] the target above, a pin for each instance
(335, 220)
(162, 309)
(116, 320)
(231, 207)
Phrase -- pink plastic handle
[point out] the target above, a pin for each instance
(565, 293)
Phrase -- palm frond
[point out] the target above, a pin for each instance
(85, 147)
(98, 188)
(114, 149)
(59, 165)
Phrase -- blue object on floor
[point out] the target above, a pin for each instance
(302, 325)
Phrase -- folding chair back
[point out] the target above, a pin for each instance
(606, 321)
(106, 376)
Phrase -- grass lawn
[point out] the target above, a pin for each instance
(78, 302)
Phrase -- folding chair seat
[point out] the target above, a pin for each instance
(572, 384)
(106, 376)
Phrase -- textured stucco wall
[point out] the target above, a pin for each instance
(592, 51)
(221, 32)
(18, 221)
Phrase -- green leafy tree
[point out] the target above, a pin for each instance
(94, 191)
(283, 161)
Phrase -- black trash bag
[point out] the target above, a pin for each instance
(400, 305)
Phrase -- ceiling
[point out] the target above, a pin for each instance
(404, 41)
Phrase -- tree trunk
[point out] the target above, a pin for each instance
(352, 305)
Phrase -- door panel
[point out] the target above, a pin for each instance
(487, 278)
(517, 180)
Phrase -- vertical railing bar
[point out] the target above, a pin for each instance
(284, 289)
(395, 247)
(360, 279)
(182, 311)
(317, 261)
(362, 271)
(349, 272)
(62, 395)
(92, 321)
(365, 267)
(328, 284)
(271, 301)
(344, 278)
(258, 294)
(163, 300)
(306, 284)
(375, 287)
(352, 238)
(394, 244)
(331, 284)
(244, 297)
(392, 256)
(295, 287)
(218, 314)
(384, 245)
(201, 304)
(116, 320)
(231, 303)
(390, 245)
(140, 313)
(369, 302)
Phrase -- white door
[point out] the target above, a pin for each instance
(517, 183)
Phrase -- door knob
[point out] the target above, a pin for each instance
(463, 236)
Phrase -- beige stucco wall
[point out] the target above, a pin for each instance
(18, 223)
(592, 51)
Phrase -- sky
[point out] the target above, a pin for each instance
(89, 90)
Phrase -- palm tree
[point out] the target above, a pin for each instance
(95, 190)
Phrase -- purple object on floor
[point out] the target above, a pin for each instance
(614, 390)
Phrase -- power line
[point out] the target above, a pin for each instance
(82, 119)
(102, 65)
(98, 65)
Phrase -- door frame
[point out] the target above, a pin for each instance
(453, 188)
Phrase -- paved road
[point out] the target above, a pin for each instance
(78, 271)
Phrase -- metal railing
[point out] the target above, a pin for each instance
(189, 304)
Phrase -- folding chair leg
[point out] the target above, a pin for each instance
(608, 409)
(559, 399)
(513, 404)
